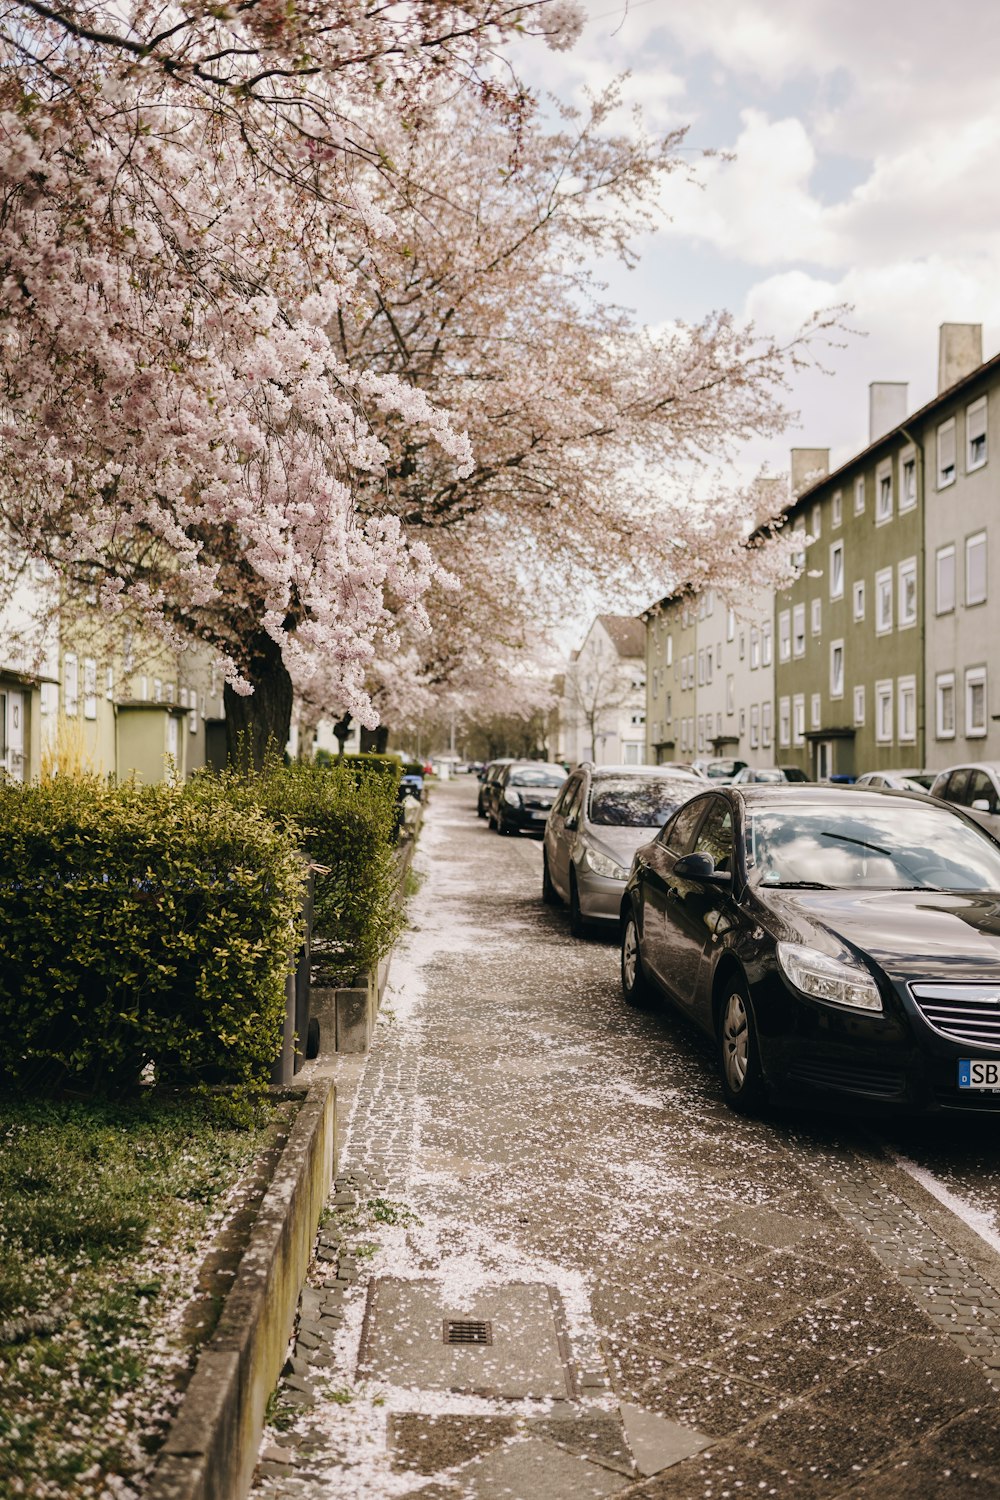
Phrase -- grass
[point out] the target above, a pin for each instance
(105, 1215)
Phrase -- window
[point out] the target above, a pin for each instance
(765, 725)
(743, 644)
(944, 689)
(71, 684)
(754, 725)
(637, 718)
(907, 479)
(975, 435)
(883, 492)
(799, 558)
(975, 568)
(109, 685)
(883, 712)
(906, 693)
(157, 689)
(784, 721)
(883, 601)
(799, 719)
(743, 722)
(907, 573)
(708, 665)
(837, 571)
(858, 595)
(946, 454)
(799, 630)
(89, 688)
(836, 669)
(670, 650)
(670, 708)
(701, 668)
(817, 616)
(859, 706)
(817, 521)
(730, 624)
(859, 495)
(631, 754)
(815, 711)
(701, 731)
(784, 635)
(730, 694)
(975, 702)
(837, 508)
(754, 648)
(766, 647)
(944, 568)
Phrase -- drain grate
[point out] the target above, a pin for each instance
(467, 1331)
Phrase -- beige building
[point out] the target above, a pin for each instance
(603, 706)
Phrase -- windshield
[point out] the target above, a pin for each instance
(633, 802)
(903, 846)
(537, 776)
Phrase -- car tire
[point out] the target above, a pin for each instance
(549, 893)
(503, 827)
(636, 988)
(578, 924)
(739, 1050)
(491, 820)
(480, 811)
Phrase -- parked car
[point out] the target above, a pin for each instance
(838, 945)
(761, 775)
(487, 776)
(599, 819)
(522, 795)
(794, 773)
(897, 781)
(975, 788)
(722, 769)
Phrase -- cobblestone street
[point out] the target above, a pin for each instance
(555, 1265)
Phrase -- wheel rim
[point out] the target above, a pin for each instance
(630, 955)
(736, 1042)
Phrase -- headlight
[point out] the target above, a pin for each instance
(514, 798)
(836, 980)
(603, 864)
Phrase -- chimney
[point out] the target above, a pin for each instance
(886, 407)
(808, 465)
(960, 351)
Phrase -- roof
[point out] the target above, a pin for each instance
(627, 633)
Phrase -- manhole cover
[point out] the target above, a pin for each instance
(509, 1342)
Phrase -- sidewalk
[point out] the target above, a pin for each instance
(653, 1297)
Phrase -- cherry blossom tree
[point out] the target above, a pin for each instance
(193, 198)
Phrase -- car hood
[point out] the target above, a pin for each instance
(620, 843)
(945, 935)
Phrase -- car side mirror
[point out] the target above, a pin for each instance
(981, 805)
(701, 866)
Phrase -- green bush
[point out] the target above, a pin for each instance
(141, 924)
(345, 819)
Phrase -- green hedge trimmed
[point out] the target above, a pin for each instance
(344, 818)
(141, 924)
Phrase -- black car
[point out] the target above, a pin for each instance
(838, 944)
(487, 776)
(522, 795)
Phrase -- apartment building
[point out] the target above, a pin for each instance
(603, 707)
(671, 653)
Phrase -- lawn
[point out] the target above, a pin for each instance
(109, 1216)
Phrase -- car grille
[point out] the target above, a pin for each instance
(856, 1077)
(536, 804)
(967, 1012)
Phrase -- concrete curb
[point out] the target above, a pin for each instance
(211, 1449)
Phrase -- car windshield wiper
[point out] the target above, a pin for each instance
(845, 838)
(796, 885)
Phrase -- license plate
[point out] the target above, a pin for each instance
(543, 814)
(979, 1073)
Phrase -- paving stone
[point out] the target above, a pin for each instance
(596, 1434)
(656, 1442)
(428, 1443)
(707, 1400)
(296, 1365)
(726, 1471)
(539, 1470)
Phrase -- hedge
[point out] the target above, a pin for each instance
(141, 924)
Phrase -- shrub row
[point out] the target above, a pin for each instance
(154, 924)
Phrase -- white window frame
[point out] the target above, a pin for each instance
(730, 624)
(947, 462)
(754, 726)
(883, 698)
(858, 599)
(815, 710)
(817, 522)
(799, 719)
(944, 683)
(883, 593)
(883, 493)
(89, 687)
(765, 724)
(837, 508)
(907, 472)
(670, 650)
(799, 630)
(977, 539)
(766, 644)
(71, 684)
(836, 687)
(859, 495)
(754, 648)
(974, 676)
(730, 695)
(859, 706)
(816, 617)
(944, 555)
(785, 635)
(837, 570)
(784, 722)
(973, 432)
(906, 570)
(906, 691)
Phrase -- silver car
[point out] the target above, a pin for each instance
(975, 788)
(600, 818)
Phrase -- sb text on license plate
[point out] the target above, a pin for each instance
(979, 1073)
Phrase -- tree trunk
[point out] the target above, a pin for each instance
(260, 722)
(375, 741)
(341, 730)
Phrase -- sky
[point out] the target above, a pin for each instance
(865, 145)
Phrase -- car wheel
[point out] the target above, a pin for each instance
(636, 988)
(503, 827)
(549, 893)
(578, 924)
(491, 820)
(739, 1051)
(480, 810)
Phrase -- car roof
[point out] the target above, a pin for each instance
(972, 765)
(816, 793)
(598, 771)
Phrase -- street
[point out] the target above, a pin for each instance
(651, 1296)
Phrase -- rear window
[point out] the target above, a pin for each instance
(633, 802)
(536, 776)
